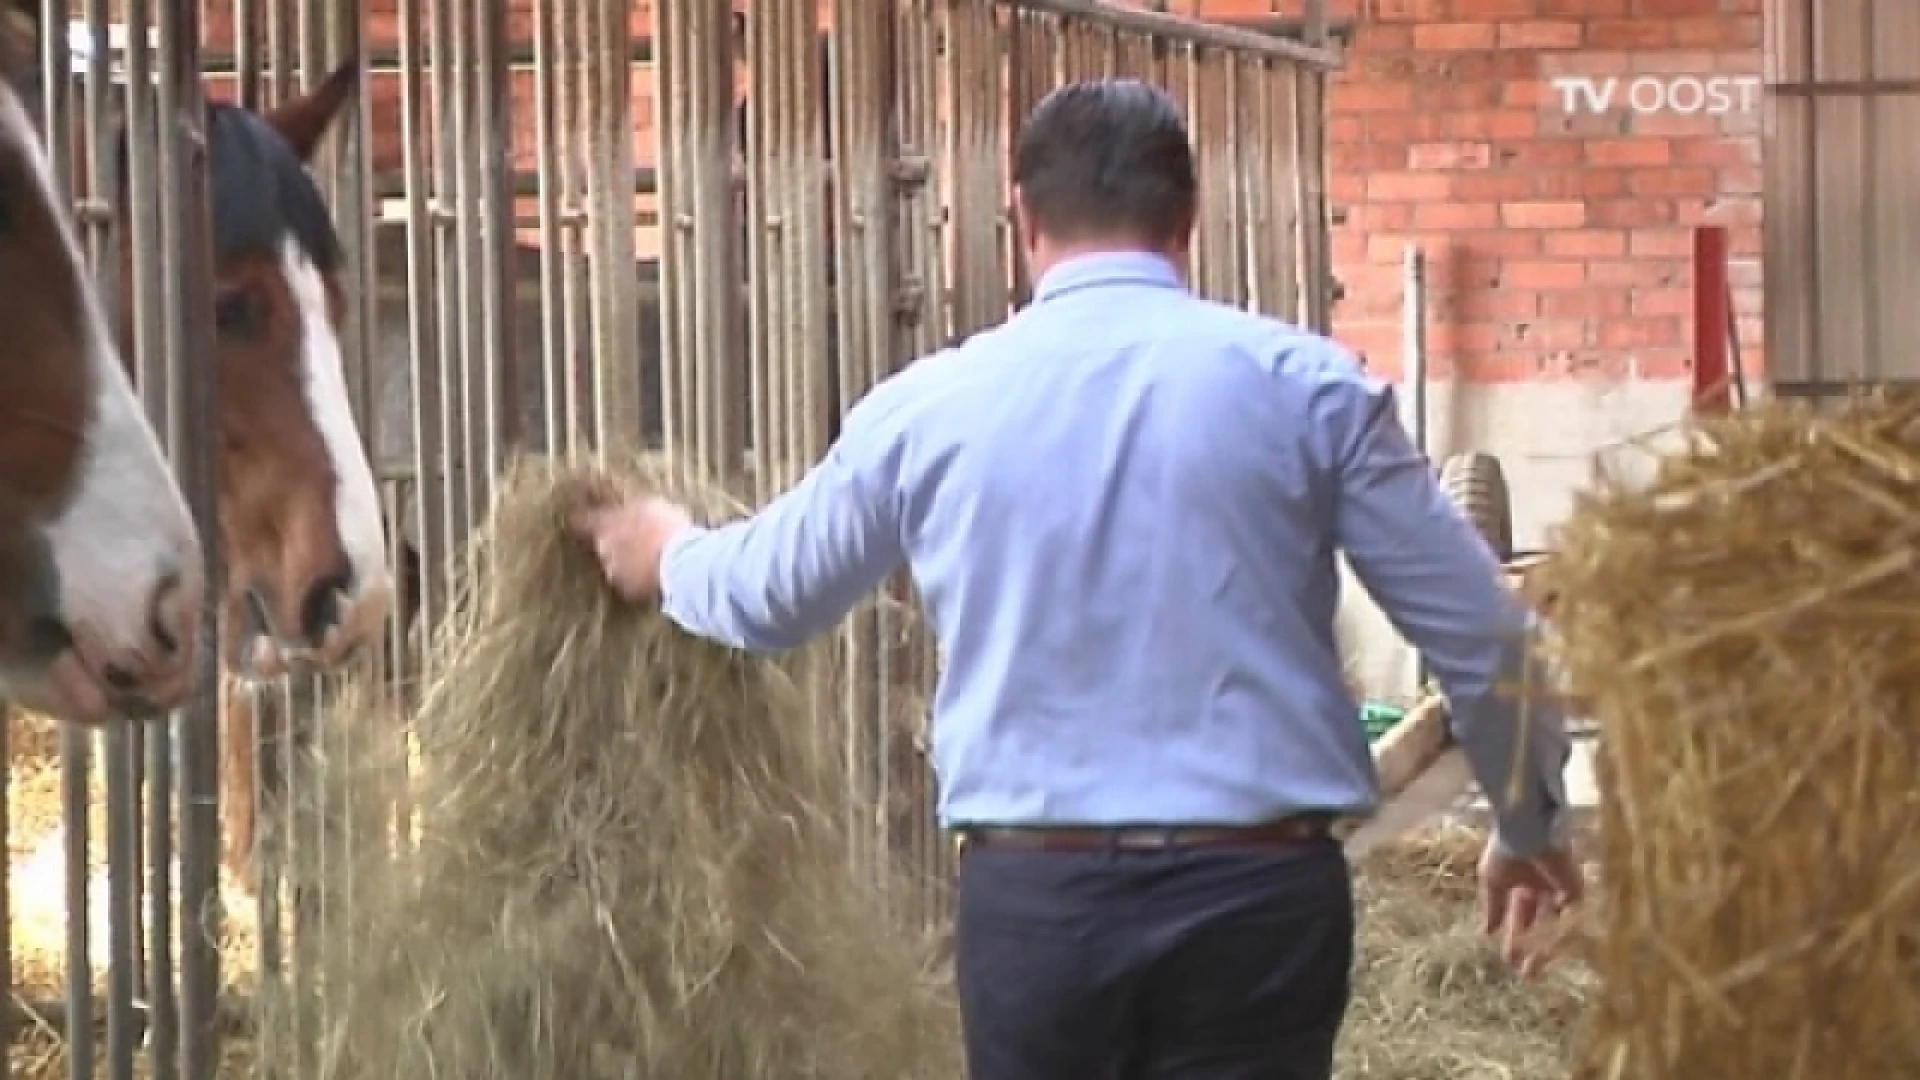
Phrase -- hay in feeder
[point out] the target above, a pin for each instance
(630, 857)
(1746, 629)
(1432, 1000)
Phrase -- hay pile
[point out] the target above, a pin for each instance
(630, 855)
(1431, 998)
(1747, 629)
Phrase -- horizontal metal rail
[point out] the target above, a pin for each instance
(1176, 28)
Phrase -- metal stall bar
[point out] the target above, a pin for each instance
(186, 226)
(701, 223)
(612, 220)
(550, 113)
(432, 470)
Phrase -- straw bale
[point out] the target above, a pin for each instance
(1743, 626)
(629, 857)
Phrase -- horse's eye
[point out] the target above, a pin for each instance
(236, 313)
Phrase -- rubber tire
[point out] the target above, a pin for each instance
(1478, 486)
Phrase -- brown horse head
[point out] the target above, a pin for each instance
(100, 564)
(308, 580)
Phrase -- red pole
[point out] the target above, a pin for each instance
(1712, 317)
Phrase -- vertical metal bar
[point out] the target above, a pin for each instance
(498, 397)
(617, 383)
(431, 468)
(574, 249)
(186, 216)
(548, 52)
(1414, 342)
(73, 745)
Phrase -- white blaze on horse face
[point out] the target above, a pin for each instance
(125, 530)
(356, 500)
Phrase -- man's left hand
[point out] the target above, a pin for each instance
(630, 538)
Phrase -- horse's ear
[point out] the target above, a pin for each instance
(304, 120)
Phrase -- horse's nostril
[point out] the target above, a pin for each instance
(158, 627)
(119, 678)
(320, 610)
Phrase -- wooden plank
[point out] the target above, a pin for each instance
(1843, 165)
(1788, 220)
(1410, 746)
(1892, 214)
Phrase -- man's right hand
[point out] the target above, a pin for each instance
(1518, 896)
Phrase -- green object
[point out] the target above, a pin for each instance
(1380, 718)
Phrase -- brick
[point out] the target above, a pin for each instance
(1632, 213)
(1540, 34)
(1722, 152)
(1403, 127)
(1663, 302)
(1491, 10)
(1629, 151)
(1583, 184)
(1409, 10)
(1453, 36)
(1372, 97)
(1586, 244)
(1662, 243)
(1550, 333)
(1640, 333)
(1586, 304)
(1380, 38)
(1629, 34)
(1380, 216)
(1503, 243)
(1538, 153)
(1635, 273)
(1345, 129)
(1409, 186)
(1717, 32)
(1678, 182)
(1450, 155)
(1544, 274)
(1587, 9)
(1463, 99)
(1452, 216)
(1345, 186)
(1544, 215)
(1495, 186)
(1495, 305)
(1667, 9)
(1497, 125)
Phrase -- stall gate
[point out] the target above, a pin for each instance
(573, 226)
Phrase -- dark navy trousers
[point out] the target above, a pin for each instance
(1171, 964)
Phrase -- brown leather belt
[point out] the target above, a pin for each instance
(1284, 832)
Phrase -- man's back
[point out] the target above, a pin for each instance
(1118, 511)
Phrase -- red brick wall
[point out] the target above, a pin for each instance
(1557, 245)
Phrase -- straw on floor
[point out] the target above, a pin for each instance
(1746, 628)
(629, 857)
(1432, 1000)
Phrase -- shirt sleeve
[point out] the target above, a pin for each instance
(781, 577)
(1440, 586)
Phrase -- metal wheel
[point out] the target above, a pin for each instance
(1478, 486)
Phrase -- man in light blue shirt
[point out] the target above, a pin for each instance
(1122, 508)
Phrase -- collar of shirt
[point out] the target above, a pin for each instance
(1107, 268)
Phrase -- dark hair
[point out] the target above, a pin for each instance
(1104, 158)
